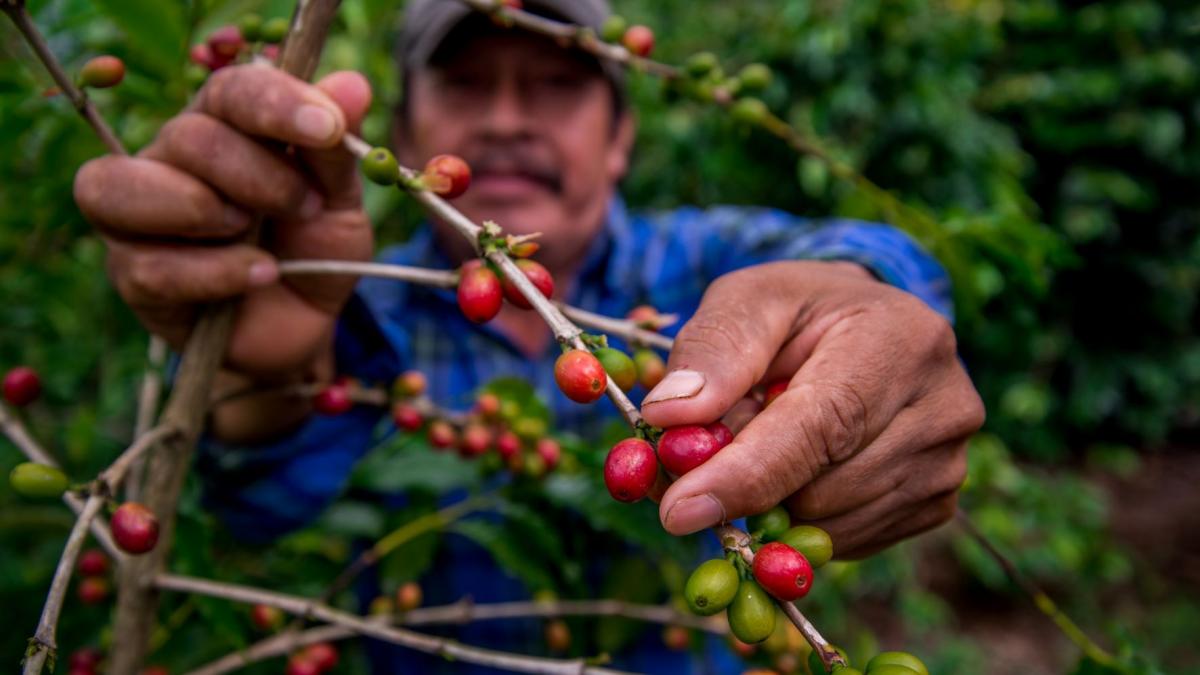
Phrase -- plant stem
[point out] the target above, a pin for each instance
(43, 644)
(379, 630)
(20, 17)
(147, 410)
(461, 612)
(1043, 602)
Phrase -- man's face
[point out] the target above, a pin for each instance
(535, 123)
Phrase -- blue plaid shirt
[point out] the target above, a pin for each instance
(665, 259)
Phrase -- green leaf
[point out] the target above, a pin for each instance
(416, 468)
(353, 519)
(155, 30)
(508, 551)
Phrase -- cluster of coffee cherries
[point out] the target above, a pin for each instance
(408, 596)
(93, 577)
(446, 175)
(638, 39)
(228, 44)
(88, 661)
(705, 80)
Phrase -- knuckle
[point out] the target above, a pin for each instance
(954, 473)
(841, 415)
(190, 137)
(148, 277)
(710, 335)
(941, 344)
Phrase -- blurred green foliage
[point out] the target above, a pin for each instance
(1056, 145)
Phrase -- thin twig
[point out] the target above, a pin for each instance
(20, 17)
(1043, 602)
(406, 638)
(16, 432)
(461, 612)
(147, 410)
(43, 645)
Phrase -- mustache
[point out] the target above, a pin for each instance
(521, 160)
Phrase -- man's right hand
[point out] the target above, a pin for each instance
(176, 217)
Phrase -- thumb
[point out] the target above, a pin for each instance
(722, 351)
(336, 169)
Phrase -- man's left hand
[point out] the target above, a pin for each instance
(869, 439)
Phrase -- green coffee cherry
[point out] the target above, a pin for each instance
(896, 659)
(847, 670)
(379, 165)
(274, 30)
(251, 27)
(37, 481)
(701, 64)
(769, 525)
(813, 542)
(619, 366)
(711, 587)
(614, 28)
(890, 669)
(749, 110)
(752, 613)
(816, 667)
(754, 77)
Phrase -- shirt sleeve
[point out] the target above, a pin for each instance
(264, 491)
(740, 237)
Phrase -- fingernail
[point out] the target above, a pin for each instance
(262, 274)
(692, 514)
(677, 384)
(235, 218)
(315, 122)
(312, 205)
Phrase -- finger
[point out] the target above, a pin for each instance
(722, 350)
(247, 172)
(935, 426)
(151, 276)
(741, 413)
(335, 235)
(859, 536)
(335, 170)
(267, 102)
(876, 472)
(839, 400)
(132, 196)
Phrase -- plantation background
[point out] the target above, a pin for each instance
(1056, 143)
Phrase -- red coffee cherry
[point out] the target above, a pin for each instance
(92, 590)
(22, 386)
(639, 39)
(783, 571)
(323, 654)
(270, 53)
(550, 452)
(447, 175)
(201, 55)
(102, 72)
(134, 528)
(558, 635)
(644, 316)
(682, 449)
(677, 638)
(441, 434)
(479, 293)
(630, 470)
(535, 273)
(475, 440)
(408, 596)
(225, 43)
(720, 432)
(266, 618)
(407, 417)
(774, 390)
(93, 563)
(410, 383)
(86, 658)
(507, 444)
(488, 405)
(300, 664)
(333, 400)
(580, 376)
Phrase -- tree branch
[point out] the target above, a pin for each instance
(428, 644)
(16, 432)
(20, 17)
(461, 612)
(147, 410)
(43, 644)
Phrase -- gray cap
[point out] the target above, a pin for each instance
(428, 22)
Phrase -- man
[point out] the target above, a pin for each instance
(867, 442)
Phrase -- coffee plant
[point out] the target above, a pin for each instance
(767, 567)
